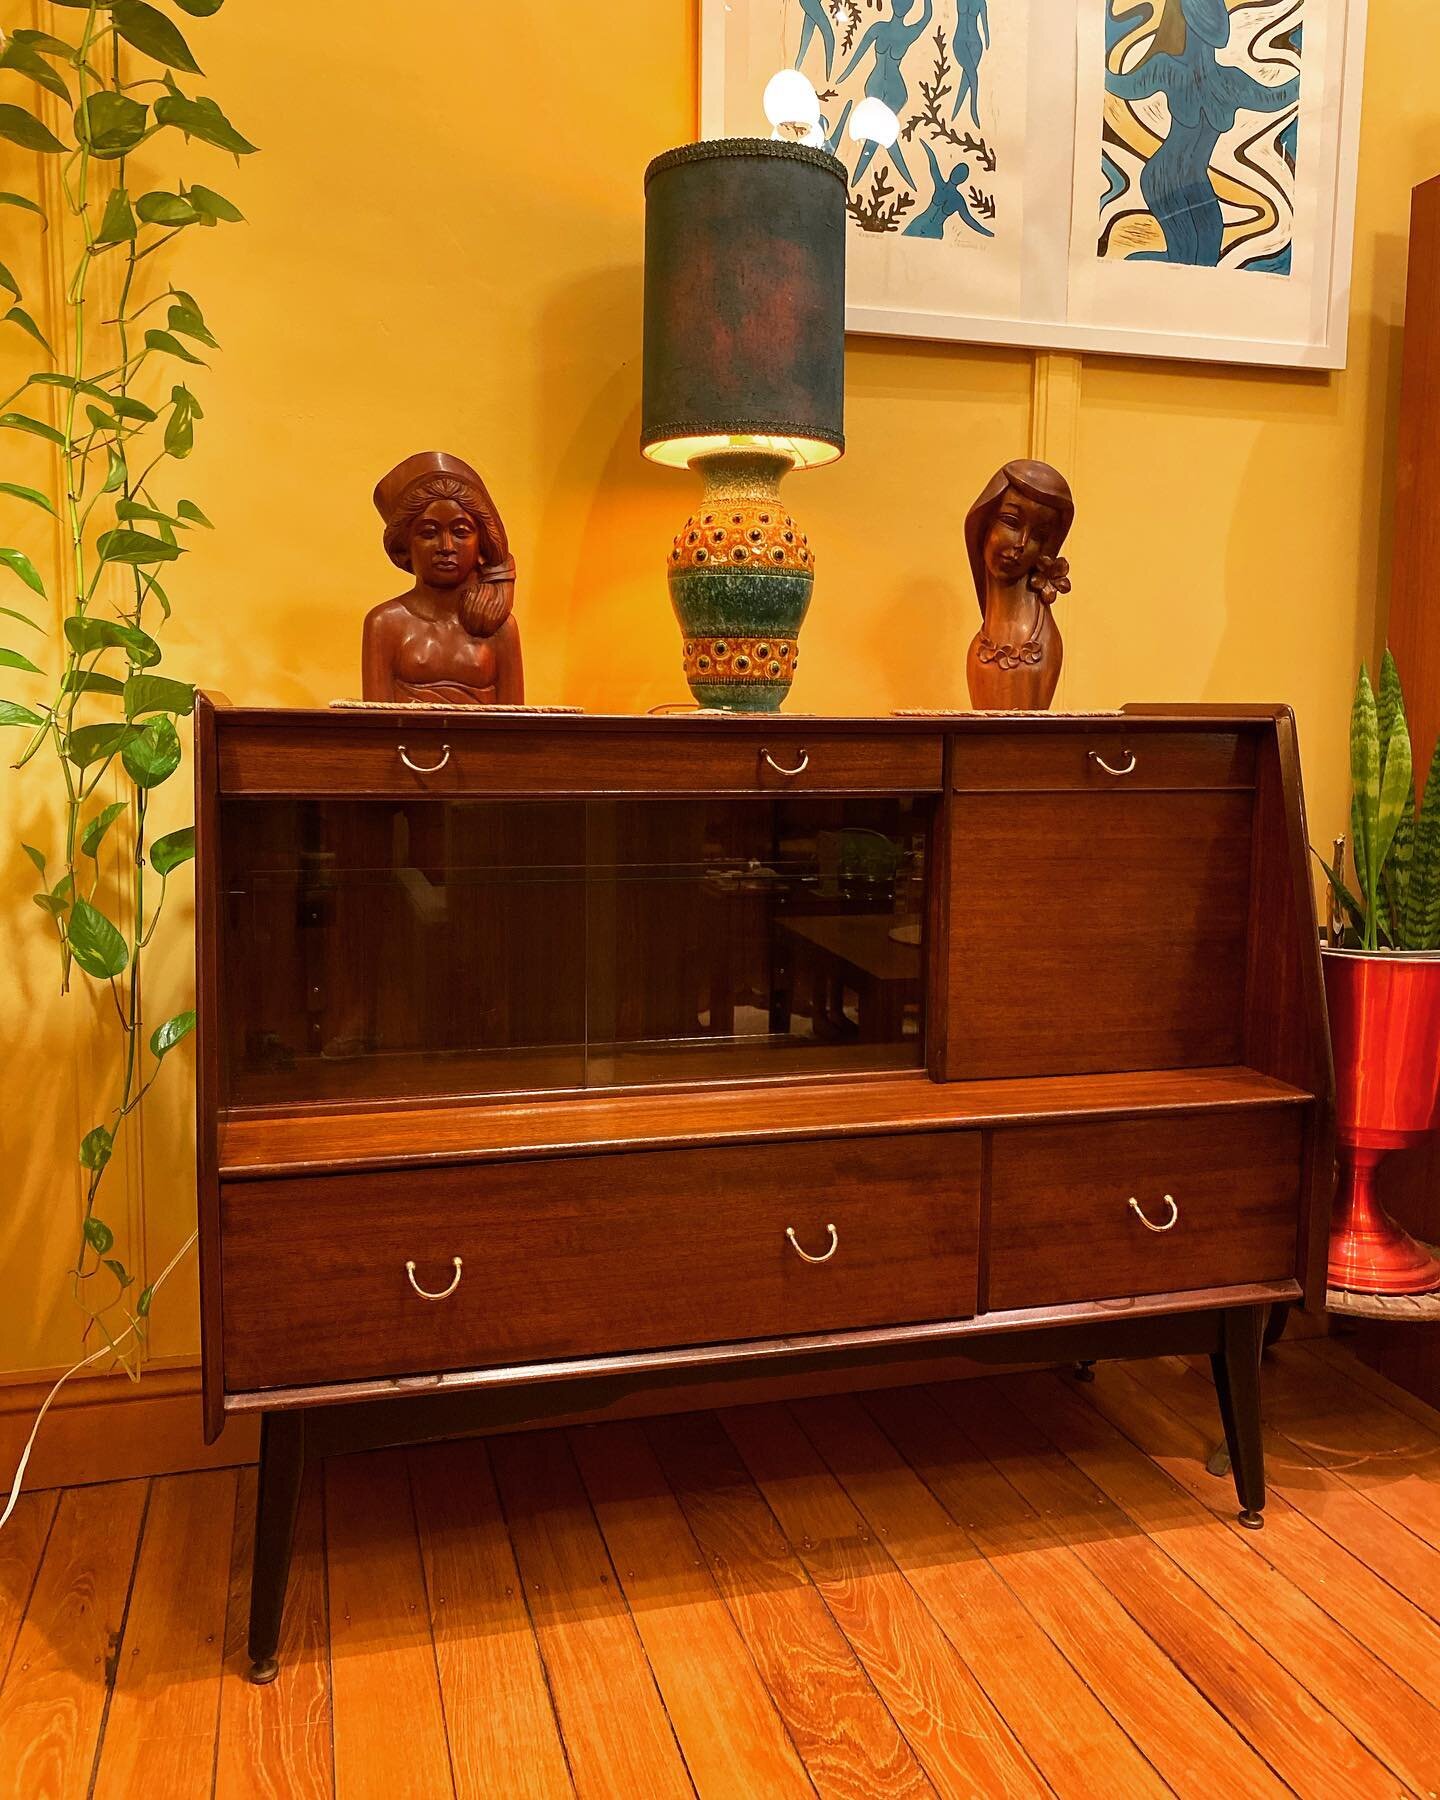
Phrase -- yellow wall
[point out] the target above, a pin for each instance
(445, 252)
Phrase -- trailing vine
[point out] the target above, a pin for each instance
(95, 715)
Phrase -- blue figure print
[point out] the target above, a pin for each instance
(969, 43)
(891, 40)
(948, 202)
(1204, 97)
(832, 138)
(816, 19)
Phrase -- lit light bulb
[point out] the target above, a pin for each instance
(790, 99)
(873, 119)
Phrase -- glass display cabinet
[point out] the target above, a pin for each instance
(557, 1064)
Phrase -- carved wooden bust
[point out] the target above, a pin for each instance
(451, 639)
(1013, 535)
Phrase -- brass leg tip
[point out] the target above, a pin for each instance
(1251, 1519)
(265, 1670)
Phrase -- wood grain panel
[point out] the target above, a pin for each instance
(1009, 761)
(616, 1730)
(961, 1742)
(728, 1728)
(1400, 1730)
(1062, 1227)
(160, 1729)
(502, 1730)
(605, 1255)
(276, 1740)
(1240, 1678)
(385, 1694)
(53, 1700)
(286, 755)
(1116, 926)
(1066, 1731)
(1072, 1629)
(312, 1142)
(847, 1739)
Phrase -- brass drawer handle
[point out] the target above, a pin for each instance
(1139, 1212)
(799, 769)
(426, 768)
(1109, 769)
(795, 1245)
(425, 1293)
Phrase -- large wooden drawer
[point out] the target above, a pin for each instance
(1063, 1227)
(440, 758)
(1116, 758)
(586, 1255)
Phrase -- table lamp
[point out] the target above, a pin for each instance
(744, 380)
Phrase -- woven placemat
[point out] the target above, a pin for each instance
(1396, 1309)
(446, 707)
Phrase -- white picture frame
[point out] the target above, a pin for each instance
(1043, 283)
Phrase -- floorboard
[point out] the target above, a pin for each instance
(1017, 1586)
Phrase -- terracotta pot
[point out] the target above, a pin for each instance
(1385, 1031)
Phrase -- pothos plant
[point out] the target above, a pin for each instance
(95, 716)
(1394, 843)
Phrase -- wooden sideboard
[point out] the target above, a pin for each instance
(582, 1066)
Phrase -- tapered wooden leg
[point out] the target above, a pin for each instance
(1237, 1385)
(282, 1464)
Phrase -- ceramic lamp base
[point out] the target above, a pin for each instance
(741, 576)
(1369, 1252)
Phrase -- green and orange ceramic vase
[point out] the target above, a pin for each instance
(741, 575)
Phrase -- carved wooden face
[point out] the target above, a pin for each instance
(444, 545)
(1018, 535)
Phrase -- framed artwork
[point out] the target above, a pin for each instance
(1150, 177)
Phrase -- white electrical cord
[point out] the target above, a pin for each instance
(84, 1363)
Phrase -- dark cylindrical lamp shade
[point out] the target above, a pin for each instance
(744, 301)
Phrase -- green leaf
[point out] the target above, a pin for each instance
(96, 1147)
(179, 427)
(94, 833)
(1395, 784)
(115, 474)
(126, 408)
(98, 1234)
(49, 904)
(149, 30)
(134, 547)
(119, 1271)
(214, 207)
(118, 224)
(174, 848)
(88, 681)
(202, 119)
(200, 9)
(33, 495)
(134, 509)
(163, 340)
(12, 713)
(165, 1037)
(8, 281)
(102, 419)
(184, 509)
(17, 315)
(9, 612)
(12, 659)
(152, 754)
(157, 693)
(23, 422)
(1421, 929)
(1365, 791)
(86, 635)
(25, 60)
(160, 208)
(147, 1294)
(24, 129)
(25, 569)
(96, 743)
(188, 320)
(110, 124)
(25, 201)
(36, 856)
(97, 946)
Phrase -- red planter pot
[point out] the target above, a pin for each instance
(1385, 1031)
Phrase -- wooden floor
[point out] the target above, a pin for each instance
(1022, 1585)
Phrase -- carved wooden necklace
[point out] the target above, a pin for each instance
(1049, 579)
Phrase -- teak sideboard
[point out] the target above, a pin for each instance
(573, 1066)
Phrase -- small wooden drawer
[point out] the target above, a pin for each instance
(580, 1256)
(1118, 758)
(439, 758)
(1064, 1223)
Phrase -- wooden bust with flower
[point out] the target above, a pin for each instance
(1013, 536)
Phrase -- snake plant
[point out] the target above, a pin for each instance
(1394, 843)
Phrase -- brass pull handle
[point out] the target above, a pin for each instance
(426, 768)
(425, 1293)
(1139, 1212)
(780, 769)
(795, 1245)
(1109, 768)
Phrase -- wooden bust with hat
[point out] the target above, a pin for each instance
(450, 640)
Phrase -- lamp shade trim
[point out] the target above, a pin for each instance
(768, 148)
(728, 428)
